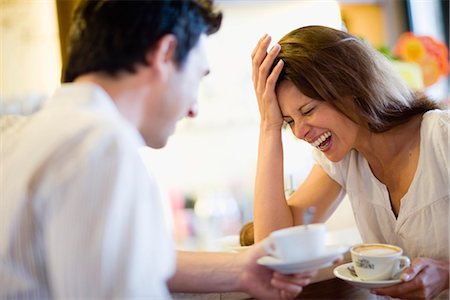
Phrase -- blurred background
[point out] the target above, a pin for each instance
(207, 169)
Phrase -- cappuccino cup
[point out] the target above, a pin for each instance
(375, 262)
(297, 243)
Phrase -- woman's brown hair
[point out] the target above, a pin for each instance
(343, 70)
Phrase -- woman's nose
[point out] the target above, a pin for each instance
(301, 130)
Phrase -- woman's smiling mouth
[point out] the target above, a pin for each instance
(322, 141)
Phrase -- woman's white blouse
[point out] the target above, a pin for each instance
(422, 225)
(80, 216)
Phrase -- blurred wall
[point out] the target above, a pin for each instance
(30, 54)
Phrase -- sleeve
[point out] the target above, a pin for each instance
(334, 170)
(443, 136)
(440, 143)
(105, 235)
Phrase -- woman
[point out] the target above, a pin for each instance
(383, 145)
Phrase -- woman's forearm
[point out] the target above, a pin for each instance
(271, 211)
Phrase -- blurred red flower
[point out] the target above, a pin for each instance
(430, 54)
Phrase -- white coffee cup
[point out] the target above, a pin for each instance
(375, 262)
(297, 243)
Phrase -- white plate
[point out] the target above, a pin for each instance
(230, 243)
(343, 273)
(239, 248)
(331, 254)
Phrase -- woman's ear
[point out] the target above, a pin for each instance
(163, 54)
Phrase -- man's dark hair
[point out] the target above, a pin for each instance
(114, 36)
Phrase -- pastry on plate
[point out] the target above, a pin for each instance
(246, 237)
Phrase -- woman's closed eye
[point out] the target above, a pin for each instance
(307, 111)
(289, 121)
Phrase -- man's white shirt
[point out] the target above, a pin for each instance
(80, 216)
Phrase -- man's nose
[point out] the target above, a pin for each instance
(193, 111)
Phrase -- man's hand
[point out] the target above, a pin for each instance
(263, 283)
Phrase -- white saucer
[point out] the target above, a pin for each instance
(331, 254)
(343, 273)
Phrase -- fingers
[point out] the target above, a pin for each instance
(258, 55)
(416, 266)
(414, 285)
(288, 295)
(260, 50)
(294, 277)
(291, 285)
(265, 79)
(416, 288)
(272, 79)
(397, 290)
(338, 260)
(258, 44)
(264, 68)
(262, 62)
(287, 291)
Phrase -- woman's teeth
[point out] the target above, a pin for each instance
(321, 139)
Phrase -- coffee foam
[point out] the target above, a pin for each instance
(376, 250)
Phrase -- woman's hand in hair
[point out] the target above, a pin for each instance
(264, 82)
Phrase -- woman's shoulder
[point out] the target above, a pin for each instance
(341, 168)
(434, 127)
(434, 132)
(436, 117)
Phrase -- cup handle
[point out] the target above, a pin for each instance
(402, 263)
(270, 247)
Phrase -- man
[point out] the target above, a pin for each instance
(80, 216)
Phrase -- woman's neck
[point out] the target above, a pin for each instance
(384, 150)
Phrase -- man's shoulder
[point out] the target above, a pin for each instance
(51, 134)
(86, 109)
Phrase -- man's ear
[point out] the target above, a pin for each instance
(163, 54)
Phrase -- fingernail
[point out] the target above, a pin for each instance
(406, 277)
(276, 47)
